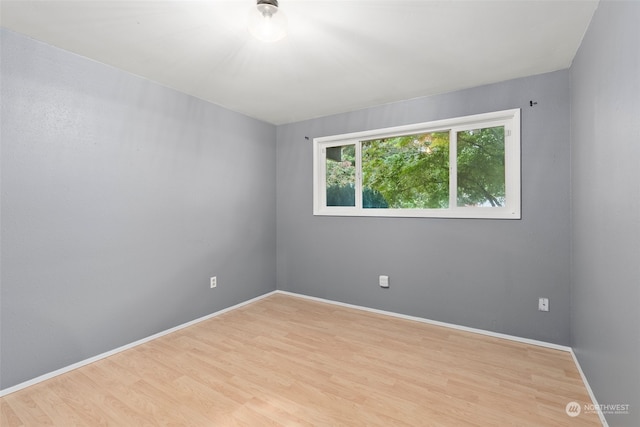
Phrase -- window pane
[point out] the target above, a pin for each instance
(406, 172)
(341, 175)
(480, 159)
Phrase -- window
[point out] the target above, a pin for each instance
(467, 167)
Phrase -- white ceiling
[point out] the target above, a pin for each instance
(339, 55)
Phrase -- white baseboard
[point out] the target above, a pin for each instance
(434, 322)
(85, 362)
(591, 395)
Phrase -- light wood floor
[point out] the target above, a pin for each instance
(287, 361)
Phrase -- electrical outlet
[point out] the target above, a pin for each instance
(543, 304)
(383, 281)
(213, 282)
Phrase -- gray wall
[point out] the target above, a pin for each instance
(485, 274)
(119, 199)
(605, 149)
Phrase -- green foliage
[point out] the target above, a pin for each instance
(412, 171)
(341, 176)
(481, 174)
(408, 171)
(341, 171)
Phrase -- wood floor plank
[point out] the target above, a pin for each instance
(288, 361)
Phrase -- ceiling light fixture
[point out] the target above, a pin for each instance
(267, 23)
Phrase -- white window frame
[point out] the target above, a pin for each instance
(510, 119)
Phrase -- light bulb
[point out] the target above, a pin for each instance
(266, 22)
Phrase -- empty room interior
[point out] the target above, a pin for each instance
(320, 213)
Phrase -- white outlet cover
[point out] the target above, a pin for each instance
(543, 304)
(383, 281)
